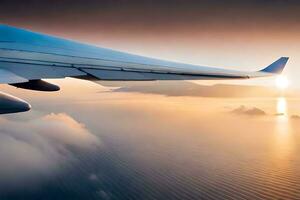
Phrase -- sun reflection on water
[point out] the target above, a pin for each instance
(283, 139)
(281, 106)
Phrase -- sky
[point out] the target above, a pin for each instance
(246, 35)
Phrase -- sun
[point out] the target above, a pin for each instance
(282, 82)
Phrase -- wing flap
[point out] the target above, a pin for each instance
(34, 72)
(9, 77)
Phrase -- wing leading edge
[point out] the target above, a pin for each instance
(27, 57)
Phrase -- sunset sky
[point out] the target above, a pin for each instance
(246, 35)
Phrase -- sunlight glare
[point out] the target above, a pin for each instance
(281, 106)
(282, 82)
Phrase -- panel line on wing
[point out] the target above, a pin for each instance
(119, 75)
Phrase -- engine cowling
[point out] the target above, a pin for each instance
(39, 85)
(11, 104)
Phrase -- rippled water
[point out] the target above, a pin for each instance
(150, 153)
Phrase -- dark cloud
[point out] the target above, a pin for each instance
(142, 16)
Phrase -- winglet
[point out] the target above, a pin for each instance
(277, 66)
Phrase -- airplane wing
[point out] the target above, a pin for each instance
(27, 57)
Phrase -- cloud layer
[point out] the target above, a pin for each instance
(40, 146)
(243, 110)
(183, 88)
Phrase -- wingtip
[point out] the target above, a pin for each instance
(277, 66)
(284, 58)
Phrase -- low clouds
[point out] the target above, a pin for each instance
(184, 88)
(63, 128)
(254, 111)
(296, 117)
(40, 146)
(243, 110)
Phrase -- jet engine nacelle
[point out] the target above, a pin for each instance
(38, 85)
(11, 104)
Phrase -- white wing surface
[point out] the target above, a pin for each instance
(27, 57)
